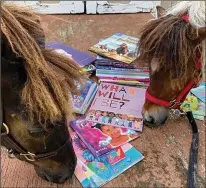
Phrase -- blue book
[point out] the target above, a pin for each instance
(94, 171)
(199, 92)
(83, 101)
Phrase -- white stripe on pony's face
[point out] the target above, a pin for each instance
(154, 65)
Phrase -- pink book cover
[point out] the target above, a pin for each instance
(102, 138)
(118, 105)
(94, 171)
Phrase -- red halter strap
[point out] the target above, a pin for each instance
(186, 18)
(182, 95)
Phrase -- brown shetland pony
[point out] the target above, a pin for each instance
(169, 44)
(36, 85)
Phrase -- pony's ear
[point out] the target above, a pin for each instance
(160, 11)
(202, 32)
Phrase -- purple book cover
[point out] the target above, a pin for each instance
(101, 138)
(83, 59)
(118, 105)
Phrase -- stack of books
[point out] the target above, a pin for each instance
(101, 137)
(114, 63)
(110, 115)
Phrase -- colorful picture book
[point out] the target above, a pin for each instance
(192, 103)
(119, 46)
(100, 138)
(93, 172)
(118, 105)
(199, 92)
(87, 93)
(83, 59)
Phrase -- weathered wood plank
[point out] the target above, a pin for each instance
(108, 7)
(59, 7)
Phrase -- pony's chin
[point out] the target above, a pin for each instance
(54, 179)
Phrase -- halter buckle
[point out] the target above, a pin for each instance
(6, 128)
(173, 103)
(10, 153)
(178, 112)
(29, 156)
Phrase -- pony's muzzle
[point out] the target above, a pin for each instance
(59, 176)
(154, 115)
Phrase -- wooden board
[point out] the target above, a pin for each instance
(105, 7)
(54, 7)
(50, 2)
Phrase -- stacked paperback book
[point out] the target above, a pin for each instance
(101, 136)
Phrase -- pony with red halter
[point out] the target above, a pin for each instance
(174, 47)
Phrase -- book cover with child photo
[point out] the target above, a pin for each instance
(118, 105)
(94, 171)
(101, 138)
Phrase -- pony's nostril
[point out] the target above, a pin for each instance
(164, 120)
(149, 119)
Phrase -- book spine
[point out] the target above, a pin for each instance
(103, 68)
(86, 105)
(140, 79)
(125, 83)
(108, 65)
(122, 72)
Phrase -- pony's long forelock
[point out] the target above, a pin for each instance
(51, 77)
(171, 40)
(196, 13)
